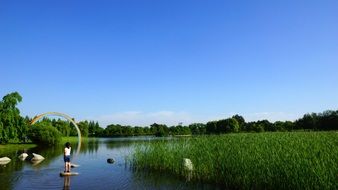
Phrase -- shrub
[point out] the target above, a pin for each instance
(44, 133)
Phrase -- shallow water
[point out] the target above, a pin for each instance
(94, 171)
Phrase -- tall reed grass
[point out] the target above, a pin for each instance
(295, 160)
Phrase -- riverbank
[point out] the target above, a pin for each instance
(8, 148)
(12, 147)
(290, 160)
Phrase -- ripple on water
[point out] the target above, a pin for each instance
(38, 179)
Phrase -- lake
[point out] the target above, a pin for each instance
(94, 171)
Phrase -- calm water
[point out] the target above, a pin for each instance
(95, 172)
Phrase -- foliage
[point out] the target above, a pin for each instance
(44, 133)
(83, 126)
(197, 128)
(159, 130)
(12, 124)
(297, 160)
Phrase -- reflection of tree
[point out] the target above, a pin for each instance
(92, 145)
(6, 171)
(118, 144)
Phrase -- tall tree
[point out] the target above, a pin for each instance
(10, 117)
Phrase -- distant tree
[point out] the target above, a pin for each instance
(62, 126)
(279, 126)
(328, 120)
(227, 126)
(159, 130)
(258, 127)
(127, 131)
(197, 128)
(221, 126)
(146, 131)
(308, 121)
(73, 131)
(240, 120)
(138, 131)
(266, 125)
(113, 131)
(97, 129)
(83, 126)
(289, 125)
(211, 127)
(232, 125)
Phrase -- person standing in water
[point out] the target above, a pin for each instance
(66, 156)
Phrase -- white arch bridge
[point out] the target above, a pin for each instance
(38, 117)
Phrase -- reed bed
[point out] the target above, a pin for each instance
(293, 160)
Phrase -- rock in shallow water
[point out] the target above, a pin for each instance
(110, 160)
(37, 157)
(4, 160)
(23, 156)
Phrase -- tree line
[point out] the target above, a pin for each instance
(15, 128)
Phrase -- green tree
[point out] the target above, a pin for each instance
(10, 117)
(62, 126)
(328, 120)
(83, 126)
(309, 121)
(44, 133)
(240, 120)
(159, 130)
(197, 128)
(232, 125)
(138, 131)
(211, 127)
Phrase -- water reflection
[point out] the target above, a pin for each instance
(66, 182)
(94, 171)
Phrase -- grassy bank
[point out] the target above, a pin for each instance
(296, 160)
(9, 148)
(13, 147)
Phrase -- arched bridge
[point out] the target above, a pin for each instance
(38, 117)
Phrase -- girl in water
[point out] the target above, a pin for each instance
(66, 156)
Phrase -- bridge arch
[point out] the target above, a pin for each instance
(38, 117)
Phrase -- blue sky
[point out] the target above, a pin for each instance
(144, 61)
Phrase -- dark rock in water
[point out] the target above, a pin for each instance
(74, 165)
(29, 157)
(110, 160)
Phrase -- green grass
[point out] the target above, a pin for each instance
(73, 139)
(296, 160)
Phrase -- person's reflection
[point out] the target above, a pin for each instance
(66, 182)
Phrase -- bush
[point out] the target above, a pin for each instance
(44, 133)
